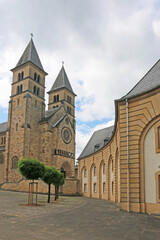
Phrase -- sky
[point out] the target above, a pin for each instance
(106, 46)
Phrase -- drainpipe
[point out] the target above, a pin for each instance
(128, 192)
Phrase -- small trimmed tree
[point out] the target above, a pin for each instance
(31, 169)
(49, 178)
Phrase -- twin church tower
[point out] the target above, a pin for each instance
(32, 131)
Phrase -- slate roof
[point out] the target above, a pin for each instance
(3, 127)
(49, 113)
(62, 81)
(30, 55)
(98, 140)
(149, 82)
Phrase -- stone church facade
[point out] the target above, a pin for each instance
(122, 163)
(31, 130)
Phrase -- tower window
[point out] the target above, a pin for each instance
(104, 187)
(54, 99)
(85, 187)
(35, 76)
(18, 101)
(37, 91)
(21, 88)
(95, 187)
(38, 78)
(19, 76)
(16, 126)
(34, 89)
(57, 98)
(17, 89)
(22, 75)
(36, 103)
(2, 140)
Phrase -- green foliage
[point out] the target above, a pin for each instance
(50, 175)
(31, 169)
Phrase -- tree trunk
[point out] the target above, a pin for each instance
(56, 192)
(49, 192)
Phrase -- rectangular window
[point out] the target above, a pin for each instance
(94, 171)
(104, 187)
(95, 187)
(85, 172)
(112, 187)
(85, 187)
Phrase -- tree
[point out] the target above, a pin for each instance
(31, 169)
(59, 182)
(49, 178)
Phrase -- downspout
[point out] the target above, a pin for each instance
(128, 187)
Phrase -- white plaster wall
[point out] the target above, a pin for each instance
(151, 166)
(84, 180)
(94, 179)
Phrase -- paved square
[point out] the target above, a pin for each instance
(72, 218)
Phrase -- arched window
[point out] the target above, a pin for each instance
(104, 168)
(38, 78)
(22, 75)
(1, 157)
(34, 89)
(21, 88)
(57, 98)
(2, 140)
(35, 76)
(14, 162)
(17, 89)
(37, 91)
(36, 103)
(19, 76)
(18, 101)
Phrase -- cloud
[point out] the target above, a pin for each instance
(107, 47)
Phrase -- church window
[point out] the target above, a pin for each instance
(94, 171)
(14, 162)
(54, 99)
(22, 75)
(43, 150)
(95, 187)
(35, 76)
(16, 126)
(21, 88)
(17, 89)
(34, 89)
(38, 78)
(2, 140)
(158, 186)
(37, 91)
(18, 101)
(158, 130)
(112, 165)
(19, 76)
(57, 98)
(1, 157)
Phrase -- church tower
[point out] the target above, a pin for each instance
(62, 93)
(26, 109)
(62, 100)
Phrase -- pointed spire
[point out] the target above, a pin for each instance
(62, 81)
(30, 55)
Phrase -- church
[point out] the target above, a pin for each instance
(31, 130)
(120, 163)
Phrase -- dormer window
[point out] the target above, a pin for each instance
(96, 147)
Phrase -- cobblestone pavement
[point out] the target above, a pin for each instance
(72, 218)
